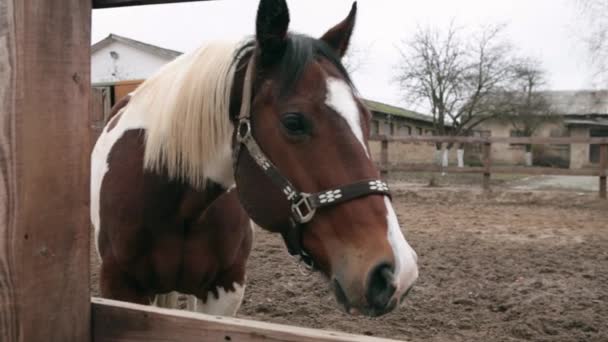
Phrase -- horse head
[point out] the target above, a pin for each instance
(303, 167)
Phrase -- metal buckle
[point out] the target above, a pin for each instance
(243, 131)
(302, 209)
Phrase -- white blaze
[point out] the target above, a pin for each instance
(406, 267)
(340, 98)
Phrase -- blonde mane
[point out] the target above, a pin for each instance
(186, 111)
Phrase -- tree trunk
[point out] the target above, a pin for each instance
(528, 156)
(460, 153)
(437, 156)
(444, 161)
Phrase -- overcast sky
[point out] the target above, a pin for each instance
(546, 29)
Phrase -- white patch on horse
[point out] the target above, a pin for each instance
(340, 98)
(219, 169)
(406, 267)
(226, 304)
(169, 300)
(99, 159)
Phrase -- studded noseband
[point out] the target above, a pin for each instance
(303, 205)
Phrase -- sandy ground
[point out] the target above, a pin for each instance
(577, 183)
(509, 266)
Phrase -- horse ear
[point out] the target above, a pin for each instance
(271, 29)
(338, 36)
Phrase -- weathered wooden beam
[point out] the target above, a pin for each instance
(493, 140)
(407, 167)
(44, 230)
(384, 159)
(122, 3)
(602, 169)
(487, 165)
(97, 115)
(115, 321)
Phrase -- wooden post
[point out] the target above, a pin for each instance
(487, 163)
(44, 229)
(602, 166)
(384, 158)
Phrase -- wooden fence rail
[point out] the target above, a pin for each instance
(487, 169)
(492, 140)
(115, 321)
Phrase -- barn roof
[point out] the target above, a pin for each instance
(156, 50)
(581, 102)
(380, 107)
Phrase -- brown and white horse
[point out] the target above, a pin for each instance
(276, 116)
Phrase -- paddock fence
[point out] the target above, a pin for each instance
(488, 167)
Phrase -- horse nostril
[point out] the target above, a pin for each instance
(380, 286)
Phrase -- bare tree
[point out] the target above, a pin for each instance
(456, 76)
(595, 14)
(525, 107)
(356, 58)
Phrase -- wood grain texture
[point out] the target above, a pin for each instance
(44, 231)
(115, 321)
(121, 3)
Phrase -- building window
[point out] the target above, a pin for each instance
(418, 131)
(477, 148)
(375, 127)
(392, 128)
(514, 133)
(594, 150)
(558, 133)
(407, 129)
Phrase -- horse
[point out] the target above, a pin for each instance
(268, 130)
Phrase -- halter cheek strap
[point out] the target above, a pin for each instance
(303, 205)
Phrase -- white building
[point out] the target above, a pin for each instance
(117, 58)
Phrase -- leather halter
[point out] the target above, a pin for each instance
(303, 205)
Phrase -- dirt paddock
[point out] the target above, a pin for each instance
(509, 267)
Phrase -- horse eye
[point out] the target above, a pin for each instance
(295, 124)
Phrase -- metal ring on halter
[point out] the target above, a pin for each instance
(302, 209)
(243, 130)
(304, 269)
(303, 265)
